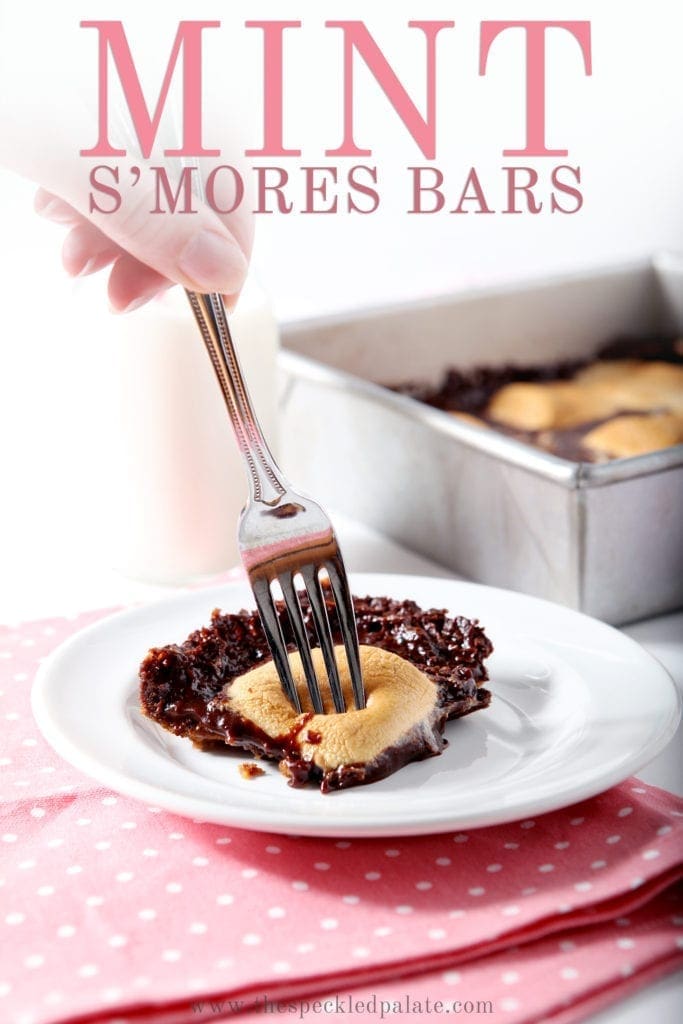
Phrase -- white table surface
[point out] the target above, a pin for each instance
(65, 583)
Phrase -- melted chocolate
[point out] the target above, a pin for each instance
(181, 685)
(471, 391)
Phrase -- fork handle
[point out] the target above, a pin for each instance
(266, 483)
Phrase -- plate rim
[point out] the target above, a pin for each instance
(204, 810)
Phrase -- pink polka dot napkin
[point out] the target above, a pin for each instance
(116, 912)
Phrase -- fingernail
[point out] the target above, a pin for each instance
(213, 263)
(134, 304)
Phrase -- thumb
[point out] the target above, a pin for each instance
(199, 249)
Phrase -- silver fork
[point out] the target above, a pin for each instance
(282, 534)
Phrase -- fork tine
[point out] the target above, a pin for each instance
(276, 641)
(297, 620)
(322, 626)
(347, 619)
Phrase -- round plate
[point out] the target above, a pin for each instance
(577, 707)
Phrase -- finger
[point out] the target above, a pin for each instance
(132, 284)
(48, 205)
(86, 250)
(199, 251)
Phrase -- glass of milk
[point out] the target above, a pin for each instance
(177, 480)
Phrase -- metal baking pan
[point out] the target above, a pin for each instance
(605, 539)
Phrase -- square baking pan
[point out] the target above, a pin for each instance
(606, 539)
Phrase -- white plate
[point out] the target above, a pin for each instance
(577, 707)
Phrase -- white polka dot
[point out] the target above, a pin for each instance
(510, 911)
(37, 812)
(276, 912)
(111, 995)
(128, 825)
(403, 908)
(626, 970)
(677, 920)
(225, 899)
(281, 967)
(9, 837)
(625, 943)
(273, 849)
(679, 942)
(392, 853)
(527, 824)
(569, 973)
(198, 928)
(577, 821)
(636, 883)
(124, 876)
(477, 890)
(436, 933)
(663, 830)
(493, 868)
(597, 864)
(509, 1005)
(88, 970)
(103, 844)
(171, 956)
(462, 837)
(223, 841)
(147, 914)
(562, 846)
(443, 862)
(343, 844)
(149, 852)
(328, 924)
(109, 801)
(638, 789)
(15, 918)
(509, 977)
(383, 931)
(611, 840)
(65, 931)
(305, 947)
(251, 939)
(200, 862)
(321, 865)
(423, 886)
(84, 821)
(372, 876)
(118, 941)
(35, 960)
(564, 908)
(154, 810)
(94, 901)
(360, 952)
(45, 890)
(650, 854)
(12, 716)
(176, 835)
(583, 886)
(624, 812)
(249, 873)
(529, 891)
(52, 998)
(300, 886)
(74, 869)
(5, 988)
(47, 769)
(451, 977)
(4, 761)
(351, 900)
(546, 868)
(623, 922)
(567, 946)
(457, 914)
(29, 742)
(174, 887)
(511, 846)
